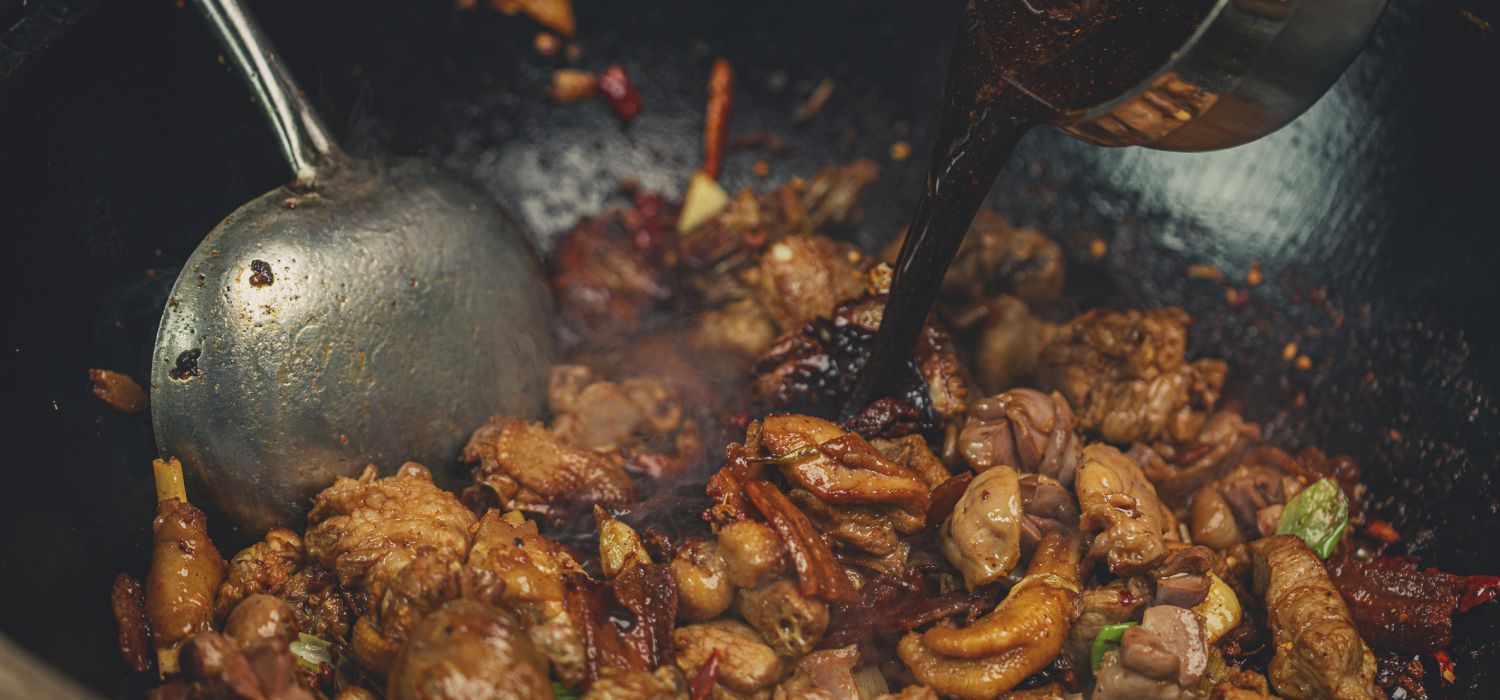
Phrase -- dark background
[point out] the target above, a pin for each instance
(123, 140)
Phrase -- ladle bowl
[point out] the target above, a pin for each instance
(366, 313)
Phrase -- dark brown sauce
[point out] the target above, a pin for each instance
(1016, 64)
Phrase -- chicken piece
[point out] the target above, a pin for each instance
(215, 666)
(747, 665)
(355, 523)
(982, 538)
(186, 570)
(1319, 653)
(119, 391)
(1024, 429)
(512, 567)
(789, 622)
(995, 258)
(524, 466)
(1112, 604)
(703, 587)
(1126, 376)
(752, 553)
(832, 197)
(1115, 681)
(818, 572)
(468, 649)
(912, 452)
(590, 414)
(1179, 470)
(1241, 684)
(1051, 691)
(128, 604)
(801, 278)
(1183, 576)
(1008, 345)
(863, 528)
(822, 675)
(606, 286)
(1021, 636)
(261, 617)
(664, 683)
(321, 605)
(741, 328)
(1170, 644)
(839, 467)
(263, 567)
(401, 589)
(1119, 504)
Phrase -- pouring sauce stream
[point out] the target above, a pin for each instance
(1016, 64)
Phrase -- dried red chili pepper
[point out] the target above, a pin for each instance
(1476, 591)
(716, 120)
(818, 573)
(707, 676)
(1445, 666)
(619, 93)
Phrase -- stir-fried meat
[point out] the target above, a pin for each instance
(1182, 578)
(982, 538)
(741, 328)
(662, 684)
(1024, 429)
(648, 594)
(1114, 681)
(789, 622)
(818, 573)
(1046, 507)
(1319, 653)
(704, 590)
(1019, 637)
(839, 467)
(912, 452)
(863, 528)
(1162, 658)
(1127, 377)
(832, 197)
(590, 414)
(605, 282)
(128, 604)
(1241, 684)
(263, 567)
(1006, 340)
(1211, 521)
(1178, 470)
(399, 591)
(995, 258)
(357, 522)
(1119, 504)
(1396, 605)
(1112, 604)
(822, 675)
(525, 467)
(511, 566)
(1247, 502)
(468, 649)
(251, 660)
(911, 692)
(801, 278)
(322, 606)
(746, 664)
(185, 573)
(752, 553)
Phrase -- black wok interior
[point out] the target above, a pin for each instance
(1373, 218)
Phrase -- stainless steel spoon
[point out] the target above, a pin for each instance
(365, 313)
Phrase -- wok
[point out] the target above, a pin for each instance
(122, 139)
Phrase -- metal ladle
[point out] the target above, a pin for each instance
(365, 313)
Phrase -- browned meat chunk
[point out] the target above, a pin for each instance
(128, 604)
(185, 573)
(746, 664)
(662, 684)
(1396, 605)
(1127, 377)
(1022, 635)
(1024, 429)
(1119, 504)
(703, 587)
(1182, 578)
(1319, 653)
(468, 649)
(251, 660)
(590, 414)
(1241, 684)
(1008, 341)
(357, 522)
(1178, 470)
(525, 467)
(996, 258)
(789, 622)
(602, 280)
(982, 538)
(801, 278)
(741, 328)
(839, 467)
(822, 675)
(752, 553)
(263, 567)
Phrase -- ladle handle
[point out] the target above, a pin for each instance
(304, 140)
